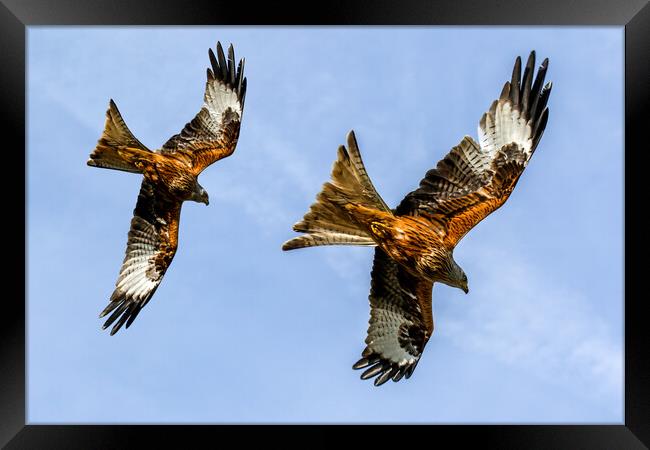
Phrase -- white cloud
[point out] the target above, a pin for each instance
(526, 320)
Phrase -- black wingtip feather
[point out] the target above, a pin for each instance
(215, 65)
(127, 314)
(530, 64)
(410, 369)
(515, 81)
(126, 310)
(231, 65)
(224, 69)
(239, 75)
(528, 95)
(372, 371)
(527, 81)
(383, 370)
(111, 306)
(504, 92)
(516, 71)
(537, 89)
(133, 315)
(385, 376)
(243, 91)
(222, 65)
(365, 362)
(540, 126)
(542, 100)
(116, 328)
(115, 315)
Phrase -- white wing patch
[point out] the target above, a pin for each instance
(519, 115)
(503, 125)
(218, 99)
(138, 275)
(382, 338)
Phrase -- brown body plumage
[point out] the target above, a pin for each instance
(408, 240)
(415, 241)
(170, 178)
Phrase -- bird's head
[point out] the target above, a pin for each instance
(455, 276)
(463, 283)
(439, 266)
(200, 195)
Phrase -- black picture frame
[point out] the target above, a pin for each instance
(16, 15)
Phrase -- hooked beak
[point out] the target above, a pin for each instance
(466, 290)
(204, 197)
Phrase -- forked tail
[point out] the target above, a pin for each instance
(117, 148)
(328, 222)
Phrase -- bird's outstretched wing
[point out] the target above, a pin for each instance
(401, 321)
(213, 133)
(474, 180)
(151, 246)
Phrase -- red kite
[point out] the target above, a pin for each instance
(415, 242)
(170, 178)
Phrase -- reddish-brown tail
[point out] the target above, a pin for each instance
(117, 148)
(328, 221)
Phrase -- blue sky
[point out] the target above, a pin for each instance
(240, 331)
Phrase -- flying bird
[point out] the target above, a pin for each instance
(414, 243)
(170, 177)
